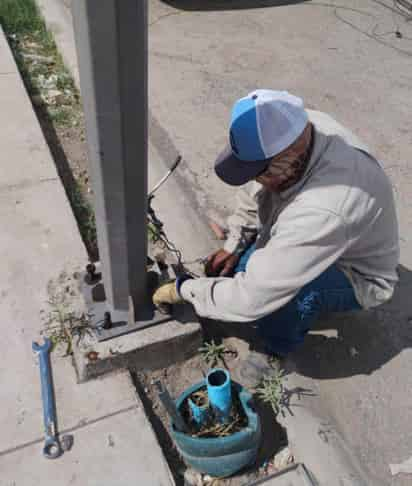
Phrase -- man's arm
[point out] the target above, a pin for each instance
(305, 242)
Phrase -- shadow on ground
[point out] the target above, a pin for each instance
(228, 4)
(362, 342)
(344, 345)
(274, 436)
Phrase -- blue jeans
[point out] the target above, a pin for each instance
(286, 328)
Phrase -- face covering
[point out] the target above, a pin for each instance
(290, 167)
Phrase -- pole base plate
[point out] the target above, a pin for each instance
(108, 323)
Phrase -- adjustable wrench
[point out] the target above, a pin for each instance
(52, 447)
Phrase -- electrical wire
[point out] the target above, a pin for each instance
(372, 35)
(157, 227)
(166, 176)
(160, 235)
(404, 8)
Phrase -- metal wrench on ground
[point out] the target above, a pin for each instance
(52, 447)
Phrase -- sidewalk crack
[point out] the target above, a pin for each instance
(81, 425)
(26, 184)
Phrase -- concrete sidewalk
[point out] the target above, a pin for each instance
(113, 442)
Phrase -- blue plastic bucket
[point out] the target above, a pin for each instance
(220, 456)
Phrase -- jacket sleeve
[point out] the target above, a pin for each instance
(302, 246)
(243, 223)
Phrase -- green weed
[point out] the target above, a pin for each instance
(61, 116)
(213, 353)
(271, 390)
(20, 17)
(62, 323)
(84, 213)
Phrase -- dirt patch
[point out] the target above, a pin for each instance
(69, 150)
(178, 378)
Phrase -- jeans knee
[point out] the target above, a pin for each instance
(309, 305)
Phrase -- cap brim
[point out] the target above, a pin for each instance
(236, 172)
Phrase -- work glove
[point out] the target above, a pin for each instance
(221, 263)
(168, 293)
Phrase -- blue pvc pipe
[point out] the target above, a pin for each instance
(219, 390)
(199, 414)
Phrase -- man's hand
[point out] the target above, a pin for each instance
(166, 294)
(221, 263)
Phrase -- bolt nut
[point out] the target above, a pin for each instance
(107, 321)
(91, 277)
(92, 356)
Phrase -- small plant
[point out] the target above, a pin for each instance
(271, 390)
(152, 232)
(213, 353)
(62, 323)
(46, 77)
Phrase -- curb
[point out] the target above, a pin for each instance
(312, 438)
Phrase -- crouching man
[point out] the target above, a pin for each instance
(315, 228)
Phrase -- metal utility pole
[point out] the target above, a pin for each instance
(111, 39)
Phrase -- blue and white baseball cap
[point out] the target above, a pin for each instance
(263, 124)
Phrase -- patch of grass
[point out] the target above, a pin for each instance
(62, 116)
(213, 353)
(39, 61)
(62, 323)
(271, 390)
(20, 17)
(85, 217)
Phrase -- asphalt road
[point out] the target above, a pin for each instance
(343, 58)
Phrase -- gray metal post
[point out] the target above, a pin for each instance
(111, 39)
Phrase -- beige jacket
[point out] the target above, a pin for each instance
(342, 211)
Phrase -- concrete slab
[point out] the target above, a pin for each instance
(296, 475)
(39, 240)
(148, 349)
(313, 438)
(24, 152)
(111, 451)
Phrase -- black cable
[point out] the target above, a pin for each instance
(160, 235)
(370, 35)
(394, 8)
(404, 8)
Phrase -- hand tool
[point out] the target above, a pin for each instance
(52, 447)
